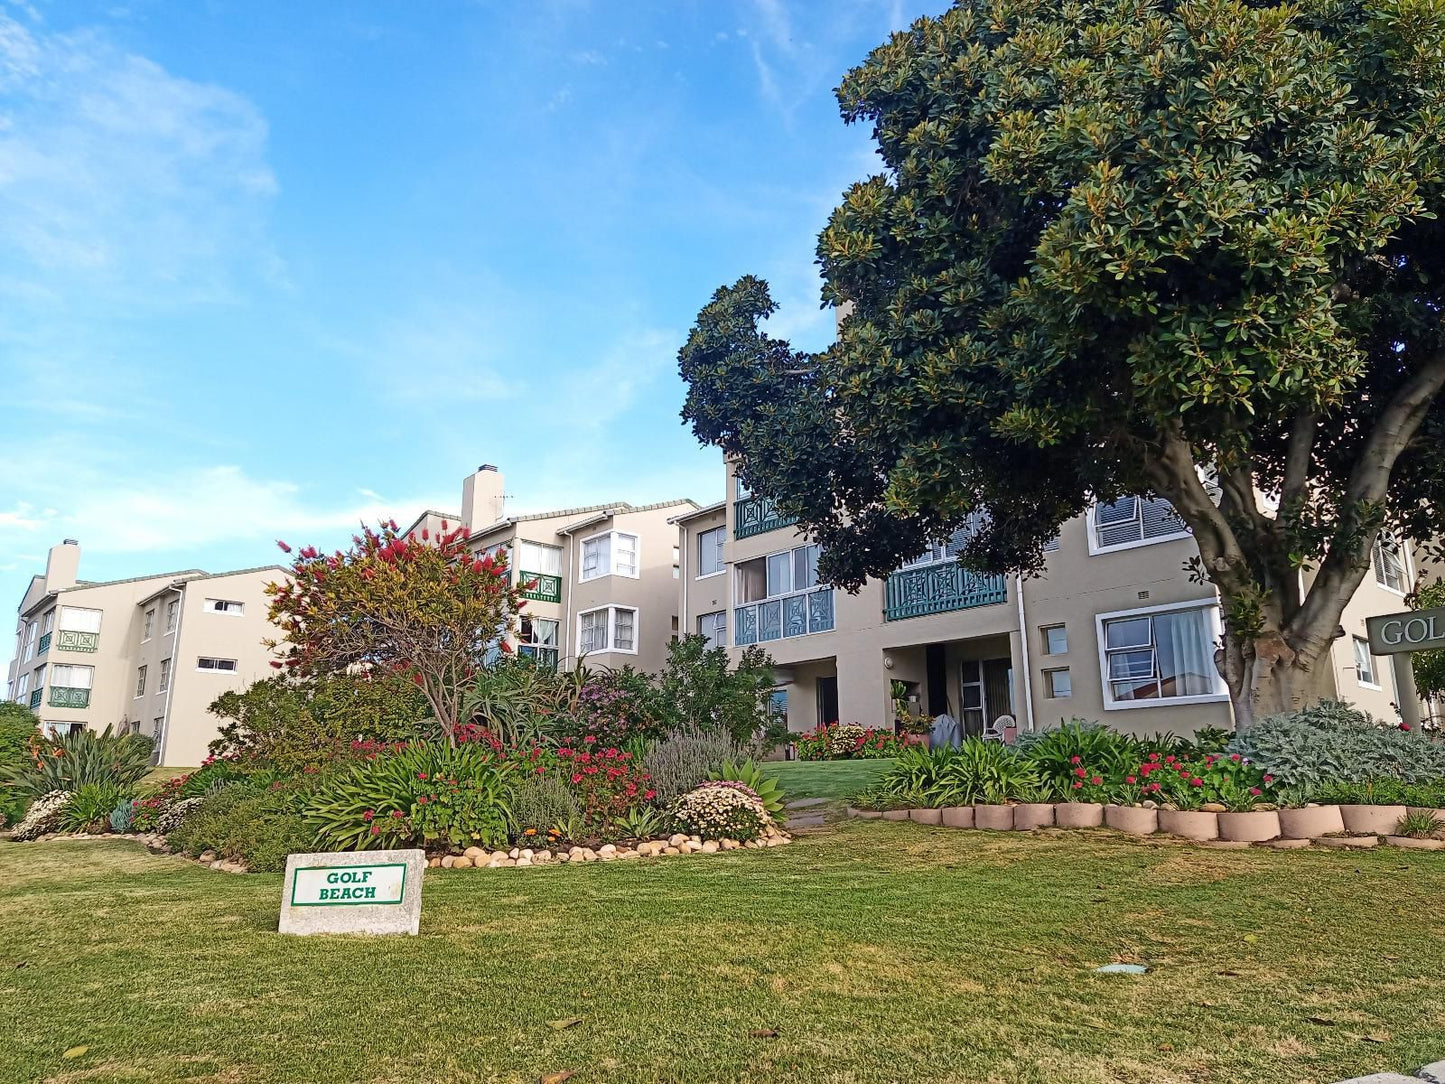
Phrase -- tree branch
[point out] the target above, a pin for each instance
(1298, 454)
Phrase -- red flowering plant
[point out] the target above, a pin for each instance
(606, 781)
(422, 607)
(851, 741)
(1084, 783)
(1230, 780)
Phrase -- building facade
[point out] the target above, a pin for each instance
(146, 654)
(1115, 629)
(604, 577)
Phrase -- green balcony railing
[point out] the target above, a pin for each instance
(61, 697)
(757, 515)
(35, 699)
(68, 640)
(939, 588)
(547, 588)
(44, 644)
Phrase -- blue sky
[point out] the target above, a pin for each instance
(267, 269)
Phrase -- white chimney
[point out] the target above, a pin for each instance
(62, 565)
(482, 498)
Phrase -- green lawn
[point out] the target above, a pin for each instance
(826, 778)
(878, 952)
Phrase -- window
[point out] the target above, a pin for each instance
(1389, 563)
(148, 626)
(778, 705)
(609, 628)
(32, 632)
(538, 640)
(49, 625)
(609, 554)
(216, 665)
(1056, 639)
(535, 557)
(1165, 653)
(779, 596)
(71, 677)
(949, 550)
(224, 606)
(22, 685)
(714, 626)
(1133, 521)
(173, 609)
(140, 681)
(676, 562)
(1365, 664)
(76, 619)
(165, 679)
(1058, 683)
(156, 724)
(710, 546)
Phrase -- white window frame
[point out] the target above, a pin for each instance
(612, 568)
(722, 568)
(148, 625)
(1092, 537)
(65, 611)
(223, 606)
(535, 645)
(1044, 631)
(164, 681)
(69, 669)
(140, 681)
(610, 629)
(1357, 643)
(1402, 555)
(22, 685)
(1216, 629)
(714, 641)
(173, 614)
(48, 622)
(739, 567)
(553, 555)
(32, 634)
(216, 669)
(1049, 693)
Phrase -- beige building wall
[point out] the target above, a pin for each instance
(1002, 644)
(134, 623)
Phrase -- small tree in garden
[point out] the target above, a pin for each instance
(697, 687)
(1191, 251)
(423, 608)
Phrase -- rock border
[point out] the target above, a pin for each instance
(675, 844)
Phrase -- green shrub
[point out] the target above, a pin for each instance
(428, 794)
(1052, 751)
(1334, 741)
(975, 771)
(767, 788)
(540, 803)
(685, 758)
(176, 814)
(19, 726)
(122, 817)
(257, 827)
(84, 757)
(90, 807)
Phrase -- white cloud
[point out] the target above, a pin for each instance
(22, 517)
(119, 177)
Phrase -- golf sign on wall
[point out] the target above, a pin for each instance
(353, 892)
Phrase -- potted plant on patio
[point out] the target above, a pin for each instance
(1249, 814)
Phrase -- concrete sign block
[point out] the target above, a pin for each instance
(372, 892)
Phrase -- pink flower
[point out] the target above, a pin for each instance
(1078, 783)
(1130, 779)
(1196, 782)
(1404, 726)
(1075, 759)
(1255, 791)
(1096, 780)
(284, 548)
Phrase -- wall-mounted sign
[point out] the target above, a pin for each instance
(353, 892)
(1417, 630)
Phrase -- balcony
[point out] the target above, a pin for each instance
(35, 699)
(544, 657)
(797, 614)
(68, 640)
(757, 515)
(547, 588)
(44, 644)
(61, 697)
(939, 588)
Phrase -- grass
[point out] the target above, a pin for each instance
(877, 952)
(825, 778)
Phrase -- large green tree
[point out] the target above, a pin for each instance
(1186, 250)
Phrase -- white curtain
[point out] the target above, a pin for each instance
(1185, 644)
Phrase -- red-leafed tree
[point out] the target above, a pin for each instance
(422, 606)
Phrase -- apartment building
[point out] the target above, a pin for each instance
(1115, 630)
(148, 653)
(604, 576)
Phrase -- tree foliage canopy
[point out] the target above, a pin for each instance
(1121, 247)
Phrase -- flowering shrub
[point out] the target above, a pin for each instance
(606, 782)
(43, 815)
(851, 741)
(1184, 782)
(721, 810)
(70, 762)
(1085, 783)
(613, 708)
(174, 815)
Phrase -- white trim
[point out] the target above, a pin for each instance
(1095, 550)
(1407, 573)
(1211, 608)
(710, 575)
(611, 629)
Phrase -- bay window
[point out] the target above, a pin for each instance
(537, 640)
(607, 628)
(612, 554)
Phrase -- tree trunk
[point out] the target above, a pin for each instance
(1266, 676)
